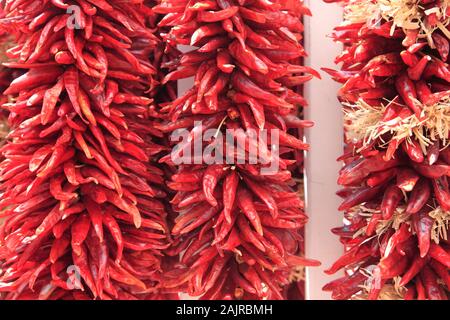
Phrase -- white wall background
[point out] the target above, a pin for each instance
(325, 137)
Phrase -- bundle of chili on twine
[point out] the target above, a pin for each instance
(236, 222)
(80, 189)
(396, 97)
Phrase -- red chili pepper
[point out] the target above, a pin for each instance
(353, 256)
(265, 196)
(407, 91)
(439, 254)
(213, 16)
(33, 78)
(422, 224)
(441, 271)
(418, 197)
(442, 45)
(406, 179)
(433, 153)
(359, 169)
(229, 193)
(434, 171)
(80, 230)
(210, 179)
(400, 236)
(64, 155)
(420, 290)
(392, 196)
(441, 190)
(414, 151)
(415, 72)
(359, 196)
(416, 266)
(377, 178)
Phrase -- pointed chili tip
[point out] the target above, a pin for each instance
(327, 287)
(328, 71)
(314, 263)
(329, 271)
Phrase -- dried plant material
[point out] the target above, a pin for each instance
(359, 117)
(364, 123)
(440, 225)
(361, 11)
(399, 217)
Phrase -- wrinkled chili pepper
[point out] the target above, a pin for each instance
(85, 195)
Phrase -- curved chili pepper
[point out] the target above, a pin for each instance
(439, 254)
(422, 224)
(414, 151)
(210, 179)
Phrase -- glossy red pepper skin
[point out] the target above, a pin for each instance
(418, 197)
(392, 197)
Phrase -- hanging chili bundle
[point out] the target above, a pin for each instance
(235, 230)
(396, 97)
(80, 192)
(5, 80)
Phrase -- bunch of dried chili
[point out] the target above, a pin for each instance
(81, 194)
(396, 96)
(235, 230)
(6, 75)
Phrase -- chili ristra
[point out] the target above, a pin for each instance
(236, 231)
(81, 195)
(395, 93)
